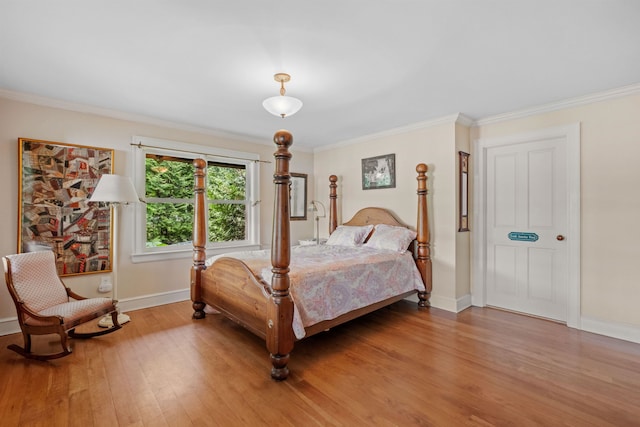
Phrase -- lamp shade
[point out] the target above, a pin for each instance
(313, 207)
(114, 189)
(282, 106)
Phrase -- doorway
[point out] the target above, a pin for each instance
(527, 223)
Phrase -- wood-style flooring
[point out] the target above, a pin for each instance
(397, 366)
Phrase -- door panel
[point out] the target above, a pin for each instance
(526, 203)
(540, 274)
(504, 185)
(505, 266)
(541, 189)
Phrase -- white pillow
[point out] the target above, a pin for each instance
(346, 235)
(390, 238)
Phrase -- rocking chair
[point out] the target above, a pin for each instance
(46, 306)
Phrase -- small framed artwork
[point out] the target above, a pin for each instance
(379, 172)
(55, 183)
(463, 191)
(298, 194)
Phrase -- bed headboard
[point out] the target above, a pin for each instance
(368, 216)
(364, 216)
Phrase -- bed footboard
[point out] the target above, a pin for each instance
(230, 287)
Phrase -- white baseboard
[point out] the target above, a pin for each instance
(153, 300)
(10, 325)
(451, 304)
(623, 331)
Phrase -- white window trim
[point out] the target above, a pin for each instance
(140, 252)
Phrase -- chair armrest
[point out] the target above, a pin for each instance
(73, 295)
(26, 310)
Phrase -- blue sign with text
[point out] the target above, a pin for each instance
(523, 237)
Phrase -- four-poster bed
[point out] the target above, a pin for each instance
(259, 295)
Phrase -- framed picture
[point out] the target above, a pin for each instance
(379, 172)
(298, 194)
(55, 183)
(463, 191)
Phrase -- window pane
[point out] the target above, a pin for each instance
(168, 177)
(226, 222)
(226, 182)
(169, 224)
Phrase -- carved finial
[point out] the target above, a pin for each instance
(422, 168)
(333, 179)
(199, 163)
(283, 138)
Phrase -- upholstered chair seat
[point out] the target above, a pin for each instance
(46, 306)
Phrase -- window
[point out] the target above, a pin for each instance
(165, 176)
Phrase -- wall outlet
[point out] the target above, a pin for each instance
(105, 284)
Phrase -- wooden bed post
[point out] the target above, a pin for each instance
(280, 335)
(424, 252)
(199, 239)
(333, 204)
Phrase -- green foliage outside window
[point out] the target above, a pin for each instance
(169, 224)
(226, 223)
(226, 220)
(169, 193)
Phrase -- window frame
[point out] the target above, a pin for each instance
(251, 161)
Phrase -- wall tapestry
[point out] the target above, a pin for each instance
(56, 181)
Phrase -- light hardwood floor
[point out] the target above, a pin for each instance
(398, 366)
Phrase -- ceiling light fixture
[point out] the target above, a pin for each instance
(283, 106)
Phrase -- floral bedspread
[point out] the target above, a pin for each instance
(328, 281)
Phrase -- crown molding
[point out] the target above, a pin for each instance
(561, 105)
(465, 120)
(132, 117)
(457, 118)
(446, 120)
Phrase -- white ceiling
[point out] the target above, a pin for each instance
(359, 66)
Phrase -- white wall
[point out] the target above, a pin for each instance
(463, 239)
(610, 206)
(432, 143)
(136, 281)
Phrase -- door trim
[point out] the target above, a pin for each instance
(571, 133)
